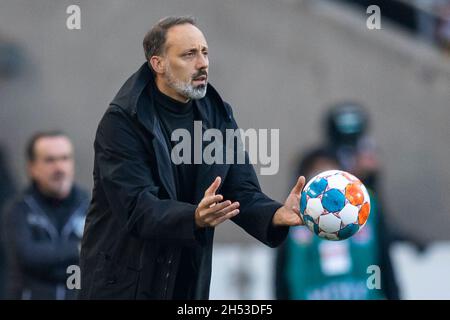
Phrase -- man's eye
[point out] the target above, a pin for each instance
(190, 54)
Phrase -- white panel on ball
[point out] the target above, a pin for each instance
(314, 208)
(329, 223)
(349, 214)
(337, 182)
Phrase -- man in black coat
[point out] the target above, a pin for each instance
(149, 230)
(43, 227)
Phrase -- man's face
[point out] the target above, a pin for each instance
(53, 166)
(185, 63)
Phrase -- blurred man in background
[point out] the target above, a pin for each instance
(312, 268)
(338, 270)
(347, 136)
(43, 227)
(347, 128)
(346, 133)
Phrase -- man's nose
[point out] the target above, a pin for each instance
(202, 62)
(60, 165)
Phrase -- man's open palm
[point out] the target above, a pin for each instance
(289, 214)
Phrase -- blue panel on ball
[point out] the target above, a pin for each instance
(333, 200)
(303, 202)
(348, 231)
(317, 187)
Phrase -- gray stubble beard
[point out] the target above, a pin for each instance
(185, 89)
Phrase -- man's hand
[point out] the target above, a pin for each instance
(210, 211)
(289, 213)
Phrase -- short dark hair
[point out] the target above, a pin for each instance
(155, 39)
(30, 152)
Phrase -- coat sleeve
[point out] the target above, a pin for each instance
(37, 257)
(256, 209)
(125, 172)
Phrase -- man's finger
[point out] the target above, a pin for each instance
(225, 217)
(225, 209)
(298, 186)
(218, 207)
(213, 187)
(297, 221)
(210, 200)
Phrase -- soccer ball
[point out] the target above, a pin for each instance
(335, 205)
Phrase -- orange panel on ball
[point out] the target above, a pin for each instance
(354, 194)
(364, 213)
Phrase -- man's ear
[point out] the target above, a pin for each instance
(158, 64)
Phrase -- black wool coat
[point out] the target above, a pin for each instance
(135, 226)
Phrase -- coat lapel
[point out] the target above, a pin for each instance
(147, 117)
(163, 161)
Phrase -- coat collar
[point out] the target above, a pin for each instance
(130, 96)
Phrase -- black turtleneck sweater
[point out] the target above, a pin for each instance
(174, 115)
